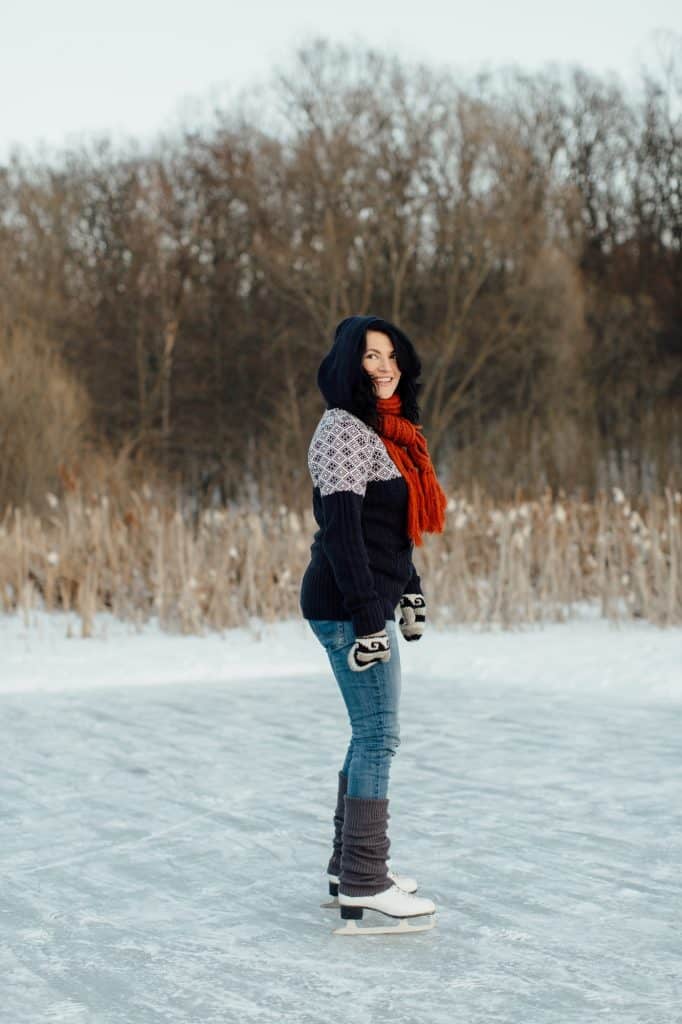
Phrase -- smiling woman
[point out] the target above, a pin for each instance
(381, 362)
(374, 493)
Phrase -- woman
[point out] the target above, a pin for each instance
(374, 493)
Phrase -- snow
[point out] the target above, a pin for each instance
(167, 809)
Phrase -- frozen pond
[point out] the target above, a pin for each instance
(163, 851)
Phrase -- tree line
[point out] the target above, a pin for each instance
(524, 229)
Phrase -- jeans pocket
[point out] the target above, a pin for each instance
(330, 632)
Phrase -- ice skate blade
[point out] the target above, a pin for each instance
(401, 928)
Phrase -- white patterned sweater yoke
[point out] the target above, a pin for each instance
(361, 556)
(345, 454)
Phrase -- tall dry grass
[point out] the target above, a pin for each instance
(140, 554)
(45, 416)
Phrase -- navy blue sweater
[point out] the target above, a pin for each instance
(361, 556)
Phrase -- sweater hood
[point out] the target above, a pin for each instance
(340, 368)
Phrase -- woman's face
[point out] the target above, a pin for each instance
(381, 363)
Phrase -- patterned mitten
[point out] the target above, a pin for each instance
(369, 649)
(412, 615)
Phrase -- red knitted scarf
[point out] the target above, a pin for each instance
(406, 444)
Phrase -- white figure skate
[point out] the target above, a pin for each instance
(394, 903)
(402, 881)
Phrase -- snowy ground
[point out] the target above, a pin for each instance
(166, 808)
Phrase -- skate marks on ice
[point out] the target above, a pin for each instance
(164, 851)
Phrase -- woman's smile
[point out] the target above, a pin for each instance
(379, 350)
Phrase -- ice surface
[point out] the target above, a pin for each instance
(162, 847)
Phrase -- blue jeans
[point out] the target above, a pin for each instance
(372, 698)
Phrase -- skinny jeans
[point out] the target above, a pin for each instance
(372, 699)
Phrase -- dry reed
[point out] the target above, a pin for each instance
(141, 555)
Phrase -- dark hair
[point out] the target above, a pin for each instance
(345, 383)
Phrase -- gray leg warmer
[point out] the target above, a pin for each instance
(365, 847)
(334, 866)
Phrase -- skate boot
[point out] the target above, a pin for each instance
(334, 865)
(364, 883)
(403, 882)
(393, 902)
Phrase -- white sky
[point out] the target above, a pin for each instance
(132, 68)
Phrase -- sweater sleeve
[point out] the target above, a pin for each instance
(340, 462)
(413, 585)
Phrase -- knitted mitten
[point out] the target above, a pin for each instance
(369, 649)
(411, 613)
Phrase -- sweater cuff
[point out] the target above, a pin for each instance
(413, 585)
(369, 619)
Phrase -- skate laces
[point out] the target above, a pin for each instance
(403, 892)
(397, 879)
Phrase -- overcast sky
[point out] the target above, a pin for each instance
(135, 67)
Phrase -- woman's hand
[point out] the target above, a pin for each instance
(412, 615)
(367, 650)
